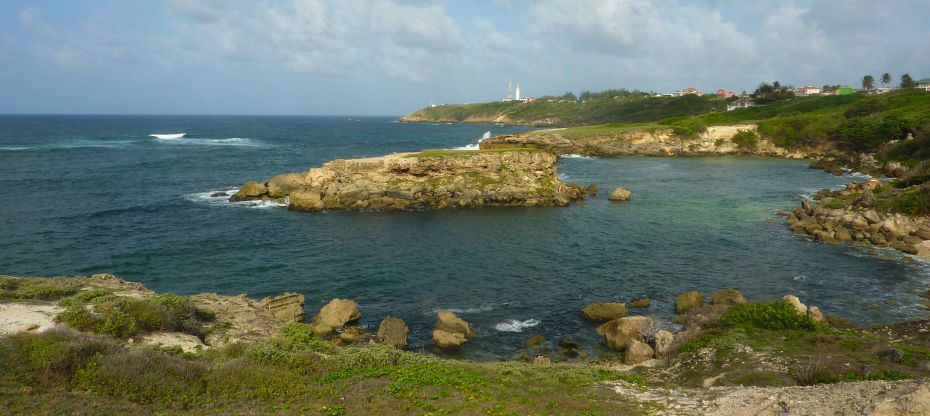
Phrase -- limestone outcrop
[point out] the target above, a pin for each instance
(619, 194)
(425, 180)
(288, 307)
(716, 140)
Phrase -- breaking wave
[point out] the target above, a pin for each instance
(221, 197)
(513, 325)
(170, 136)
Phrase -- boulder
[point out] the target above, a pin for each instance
(688, 300)
(794, 301)
(664, 342)
(335, 315)
(282, 185)
(641, 303)
(816, 315)
(351, 334)
(305, 200)
(871, 216)
(534, 341)
(637, 352)
(450, 330)
(445, 339)
(905, 247)
(249, 191)
(619, 194)
(728, 296)
(619, 332)
(923, 233)
(218, 194)
(604, 311)
(394, 332)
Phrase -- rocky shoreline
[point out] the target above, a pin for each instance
(658, 141)
(431, 179)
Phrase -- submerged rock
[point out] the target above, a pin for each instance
(619, 194)
(641, 303)
(687, 301)
(335, 315)
(728, 296)
(534, 341)
(604, 311)
(394, 332)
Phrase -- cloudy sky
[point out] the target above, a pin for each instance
(390, 57)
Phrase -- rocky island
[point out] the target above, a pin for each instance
(431, 179)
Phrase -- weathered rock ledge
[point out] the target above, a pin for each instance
(426, 180)
(716, 140)
(860, 213)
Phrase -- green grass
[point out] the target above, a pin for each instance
(101, 312)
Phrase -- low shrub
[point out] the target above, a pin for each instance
(773, 315)
(746, 140)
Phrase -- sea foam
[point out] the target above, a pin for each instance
(513, 325)
(170, 136)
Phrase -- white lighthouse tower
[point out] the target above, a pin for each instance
(516, 95)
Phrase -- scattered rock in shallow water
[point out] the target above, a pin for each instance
(794, 301)
(620, 194)
(604, 311)
(569, 347)
(218, 194)
(335, 315)
(688, 300)
(619, 332)
(249, 191)
(450, 330)
(534, 341)
(637, 352)
(394, 332)
(591, 190)
(728, 296)
(641, 303)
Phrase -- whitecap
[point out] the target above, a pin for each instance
(232, 141)
(482, 308)
(168, 136)
(13, 148)
(574, 156)
(513, 325)
(209, 198)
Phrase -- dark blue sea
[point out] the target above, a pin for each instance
(97, 194)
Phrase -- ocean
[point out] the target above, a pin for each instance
(98, 194)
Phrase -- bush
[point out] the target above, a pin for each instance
(773, 315)
(45, 291)
(746, 140)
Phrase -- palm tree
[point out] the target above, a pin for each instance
(868, 82)
(886, 79)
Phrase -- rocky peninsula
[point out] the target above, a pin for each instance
(431, 179)
(646, 141)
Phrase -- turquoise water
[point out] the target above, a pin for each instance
(91, 194)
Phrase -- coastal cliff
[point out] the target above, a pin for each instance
(429, 179)
(651, 141)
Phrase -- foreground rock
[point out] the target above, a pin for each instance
(863, 212)
(424, 180)
(619, 332)
(688, 301)
(335, 315)
(288, 307)
(604, 311)
(450, 330)
(394, 332)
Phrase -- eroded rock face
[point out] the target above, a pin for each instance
(688, 300)
(794, 301)
(394, 332)
(619, 194)
(450, 330)
(424, 180)
(604, 311)
(335, 315)
(288, 307)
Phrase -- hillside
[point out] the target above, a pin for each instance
(629, 108)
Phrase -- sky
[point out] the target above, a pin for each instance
(391, 57)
